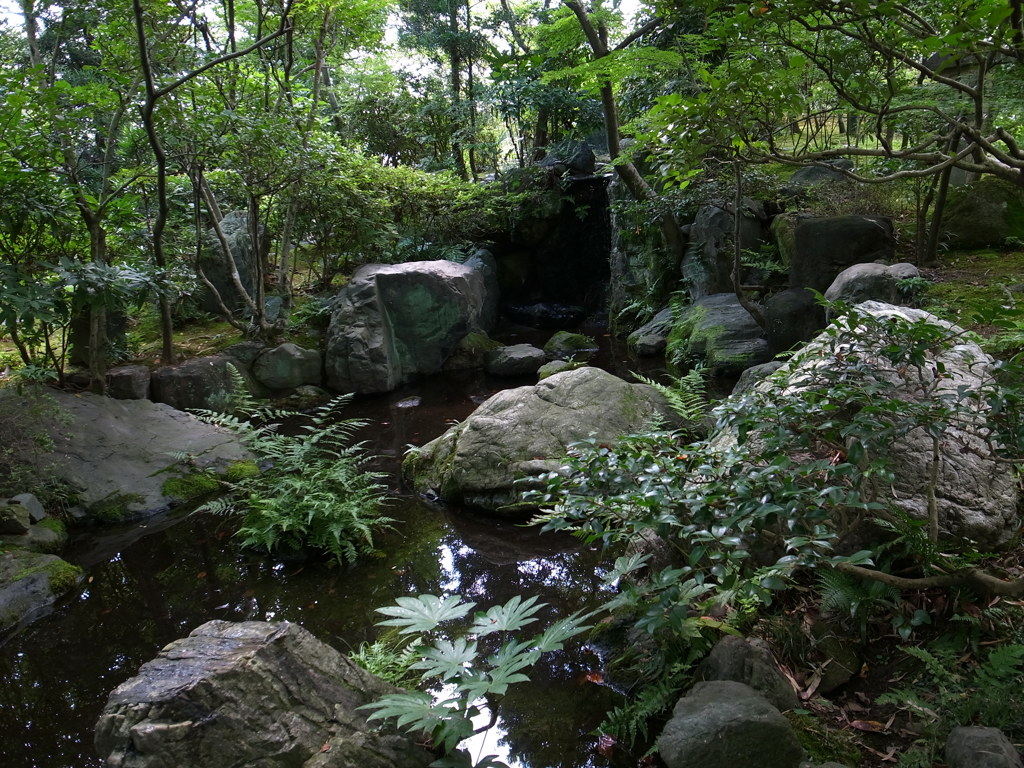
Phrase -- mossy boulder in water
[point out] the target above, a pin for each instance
(30, 581)
(525, 432)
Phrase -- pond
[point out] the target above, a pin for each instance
(149, 584)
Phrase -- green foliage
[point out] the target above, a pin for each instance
(628, 723)
(27, 414)
(314, 493)
(946, 693)
(241, 470)
(470, 669)
(388, 659)
(687, 395)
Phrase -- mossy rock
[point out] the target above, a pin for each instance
(985, 214)
(29, 581)
(192, 486)
(241, 470)
(116, 508)
(570, 346)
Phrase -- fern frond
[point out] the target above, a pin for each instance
(687, 395)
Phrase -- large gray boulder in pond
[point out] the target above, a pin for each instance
(818, 249)
(515, 360)
(718, 332)
(794, 317)
(981, 747)
(725, 723)
(652, 337)
(525, 432)
(392, 323)
(235, 695)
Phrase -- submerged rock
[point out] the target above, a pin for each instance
(250, 694)
(525, 432)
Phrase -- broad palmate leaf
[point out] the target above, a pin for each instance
(513, 615)
(424, 612)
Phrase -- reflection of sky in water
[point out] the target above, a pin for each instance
(489, 742)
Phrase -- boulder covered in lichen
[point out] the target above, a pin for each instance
(524, 432)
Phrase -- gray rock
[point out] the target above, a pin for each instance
(719, 332)
(471, 352)
(392, 323)
(871, 282)
(111, 447)
(250, 694)
(794, 317)
(983, 214)
(820, 248)
(14, 518)
(235, 226)
(754, 375)
(29, 582)
(128, 382)
(651, 338)
(812, 175)
(525, 431)
(205, 382)
(980, 747)
(976, 495)
(555, 366)
(565, 345)
(30, 503)
(707, 265)
(39, 538)
(515, 360)
(726, 723)
(749, 662)
(288, 366)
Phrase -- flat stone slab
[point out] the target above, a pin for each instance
(112, 447)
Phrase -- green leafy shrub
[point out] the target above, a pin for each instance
(314, 494)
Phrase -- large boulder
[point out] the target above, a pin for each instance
(718, 332)
(392, 323)
(250, 694)
(288, 366)
(818, 249)
(871, 282)
(975, 493)
(794, 317)
(828, 173)
(201, 383)
(708, 263)
(983, 214)
(217, 267)
(526, 431)
(515, 360)
(751, 663)
(121, 449)
(728, 723)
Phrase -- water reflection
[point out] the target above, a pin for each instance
(148, 586)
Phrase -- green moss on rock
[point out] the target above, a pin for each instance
(191, 486)
(241, 470)
(115, 508)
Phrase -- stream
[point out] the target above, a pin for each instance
(150, 583)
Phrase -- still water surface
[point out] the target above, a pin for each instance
(149, 585)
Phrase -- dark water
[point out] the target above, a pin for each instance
(148, 585)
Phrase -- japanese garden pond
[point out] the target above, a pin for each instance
(150, 583)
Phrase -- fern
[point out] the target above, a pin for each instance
(314, 493)
(687, 395)
(628, 723)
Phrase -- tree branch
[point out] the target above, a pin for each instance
(976, 579)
